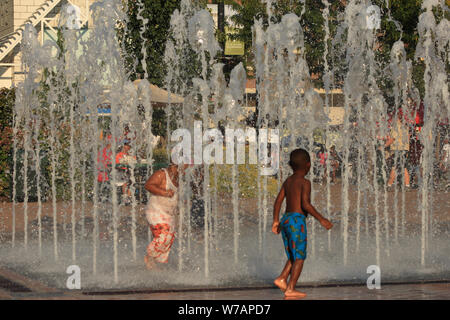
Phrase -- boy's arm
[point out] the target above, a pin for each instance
(153, 185)
(276, 210)
(308, 207)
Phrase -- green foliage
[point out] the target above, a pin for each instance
(155, 34)
(160, 155)
(311, 21)
(247, 180)
(159, 123)
(247, 13)
(406, 12)
(7, 100)
(402, 24)
(152, 41)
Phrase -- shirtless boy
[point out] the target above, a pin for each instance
(297, 191)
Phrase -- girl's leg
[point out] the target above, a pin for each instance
(159, 248)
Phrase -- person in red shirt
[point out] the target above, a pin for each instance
(104, 160)
(125, 172)
(414, 156)
(123, 152)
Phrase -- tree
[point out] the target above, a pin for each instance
(311, 21)
(153, 36)
(156, 15)
(247, 12)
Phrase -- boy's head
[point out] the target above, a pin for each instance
(300, 160)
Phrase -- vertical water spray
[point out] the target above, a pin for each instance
(202, 40)
(16, 122)
(133, 128)
(26, 143)
(327, 85)
(360, 80)
(72, 174)
(359, 183)
(27, 101)
(232, 98)
(39, 61)
(176, 56)
(37, 127)
(432, 50)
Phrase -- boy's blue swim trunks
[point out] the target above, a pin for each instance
(293, 231)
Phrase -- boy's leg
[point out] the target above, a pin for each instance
(296, 270)
(293, 230)
(281, 281)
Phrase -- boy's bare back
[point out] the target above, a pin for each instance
(294, 187)
(297, 191)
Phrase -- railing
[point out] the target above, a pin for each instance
(34, 19)
(38, 17)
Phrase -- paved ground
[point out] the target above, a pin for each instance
(425, 291)
(247, 207)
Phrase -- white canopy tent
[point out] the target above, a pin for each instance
(161, 96)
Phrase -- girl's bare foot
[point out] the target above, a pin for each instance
(149, 264)
(281, 283)
(294, 294)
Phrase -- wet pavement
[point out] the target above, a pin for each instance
(422, 291)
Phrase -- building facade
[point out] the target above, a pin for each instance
(44, 16)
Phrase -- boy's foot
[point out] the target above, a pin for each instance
(291, 298)
(281, 283)
(294, 294)
(149, 264)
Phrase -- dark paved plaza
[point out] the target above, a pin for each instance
(14, 286)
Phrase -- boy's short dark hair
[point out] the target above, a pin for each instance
(298, 159)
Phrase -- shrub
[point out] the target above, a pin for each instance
(7, 100)
(247, 180)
